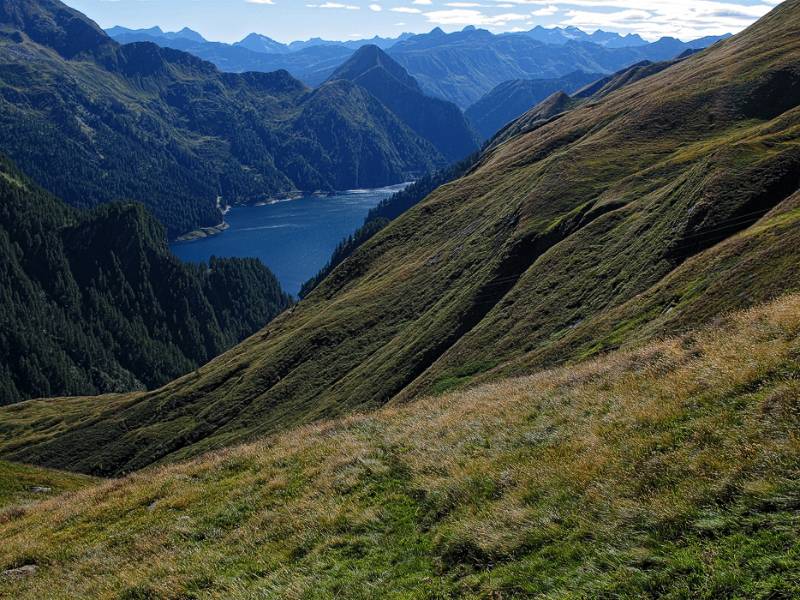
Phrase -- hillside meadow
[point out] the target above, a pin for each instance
(668, 471)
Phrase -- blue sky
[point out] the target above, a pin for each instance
(287, 20)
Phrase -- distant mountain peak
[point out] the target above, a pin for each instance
(126, 35)
(562, 35)
(369, 58)
(190, 34)
(439, 122)
(261, 43)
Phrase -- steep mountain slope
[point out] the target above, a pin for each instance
(668, 472)
(511, 99)
(605, 85)
(662, 205)
(550, 109)
(367, 145)
(464, 66)
(52, 24)
(441, 123)
(94, 302)
(554, 106)
(388, 210)
(94, 121)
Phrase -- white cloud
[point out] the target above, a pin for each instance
(334, 5)
(653, 18)
(463, 16)
(546, 11)
(375, 7)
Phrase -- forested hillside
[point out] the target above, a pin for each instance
(440, 122)
(93, 302)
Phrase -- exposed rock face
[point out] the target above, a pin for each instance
(21, 572)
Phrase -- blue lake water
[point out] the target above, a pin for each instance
(294, 238)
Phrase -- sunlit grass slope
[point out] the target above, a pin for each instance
(659, 207)
(24, 484)
(669, 471)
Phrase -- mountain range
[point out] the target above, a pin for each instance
(94, 121)
(144, 35)
(510, 99)
(315, 59)
(566, 366)
(460, 67)
(261, 43)
(464, 66)
(564, 35)
(607, 222)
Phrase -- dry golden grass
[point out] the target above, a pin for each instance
(639, 473)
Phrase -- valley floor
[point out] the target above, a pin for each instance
(670, 471)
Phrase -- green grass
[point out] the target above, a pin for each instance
(25, 484)
(461, 377)
(672, 471)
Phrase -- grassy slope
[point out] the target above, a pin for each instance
(616, 208)
(19, 483)
(669, 471)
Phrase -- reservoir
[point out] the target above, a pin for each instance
(294, 238)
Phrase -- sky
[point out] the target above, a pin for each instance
(288, 20)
